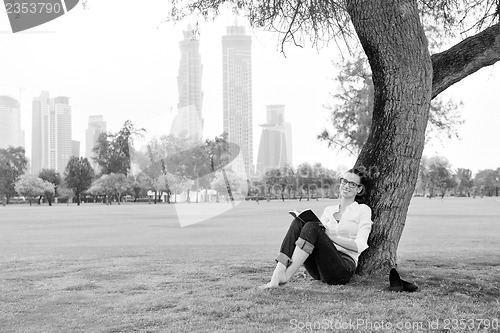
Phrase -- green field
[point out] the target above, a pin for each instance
(132, 268)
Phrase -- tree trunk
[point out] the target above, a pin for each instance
(228, 186)
(394, 42)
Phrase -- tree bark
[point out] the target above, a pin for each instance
(394, 42)
(465, 58)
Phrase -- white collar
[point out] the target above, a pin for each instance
(352, 203)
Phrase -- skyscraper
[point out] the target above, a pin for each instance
(237, 93)
(189, 120)
(51, 127)
(96, 126)
(75, 148)
(275, 149)
(10, 123)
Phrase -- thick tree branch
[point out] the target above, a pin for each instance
(465, 58)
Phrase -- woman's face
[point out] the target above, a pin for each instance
(350, 185)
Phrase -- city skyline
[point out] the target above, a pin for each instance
(237, 94)
(275, 146)
(189, 118)
(135, 77)
(11, 133)
(51, 140)
(95, 127)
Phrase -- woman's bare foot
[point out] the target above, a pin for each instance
(278, 278)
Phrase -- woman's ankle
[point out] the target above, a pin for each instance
(280, 266)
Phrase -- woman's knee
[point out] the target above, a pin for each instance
(311, 227)
(297, 224)
(311, 232)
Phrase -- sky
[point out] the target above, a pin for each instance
(119, 60)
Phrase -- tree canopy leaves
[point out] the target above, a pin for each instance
(78, 175)
(320, 22)
(13, 163)
(352, 107)
(113, 150)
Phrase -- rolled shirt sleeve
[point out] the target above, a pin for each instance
(364, 228)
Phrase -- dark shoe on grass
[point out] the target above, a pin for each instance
(395, 281)
(397, 284)
(409, 286)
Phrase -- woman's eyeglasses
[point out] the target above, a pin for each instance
(344, 181)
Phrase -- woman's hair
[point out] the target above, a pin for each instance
(363, 179)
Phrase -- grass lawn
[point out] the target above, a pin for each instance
(132, 268)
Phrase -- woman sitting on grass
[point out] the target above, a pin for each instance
(328, 250)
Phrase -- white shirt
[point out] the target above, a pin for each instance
(354, 225)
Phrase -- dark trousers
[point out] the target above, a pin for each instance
(325, 262)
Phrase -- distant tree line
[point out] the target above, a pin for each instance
(169, 165)
(306, 181)
(436, 178)
(172, 165)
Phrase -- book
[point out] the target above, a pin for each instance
(305, 215)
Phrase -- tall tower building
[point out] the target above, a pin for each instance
(40, 105)
(75, 148)
(51, 139)
(189, 120)
(10, 123)
(237, 93)
(275, 149)
(96, 126)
